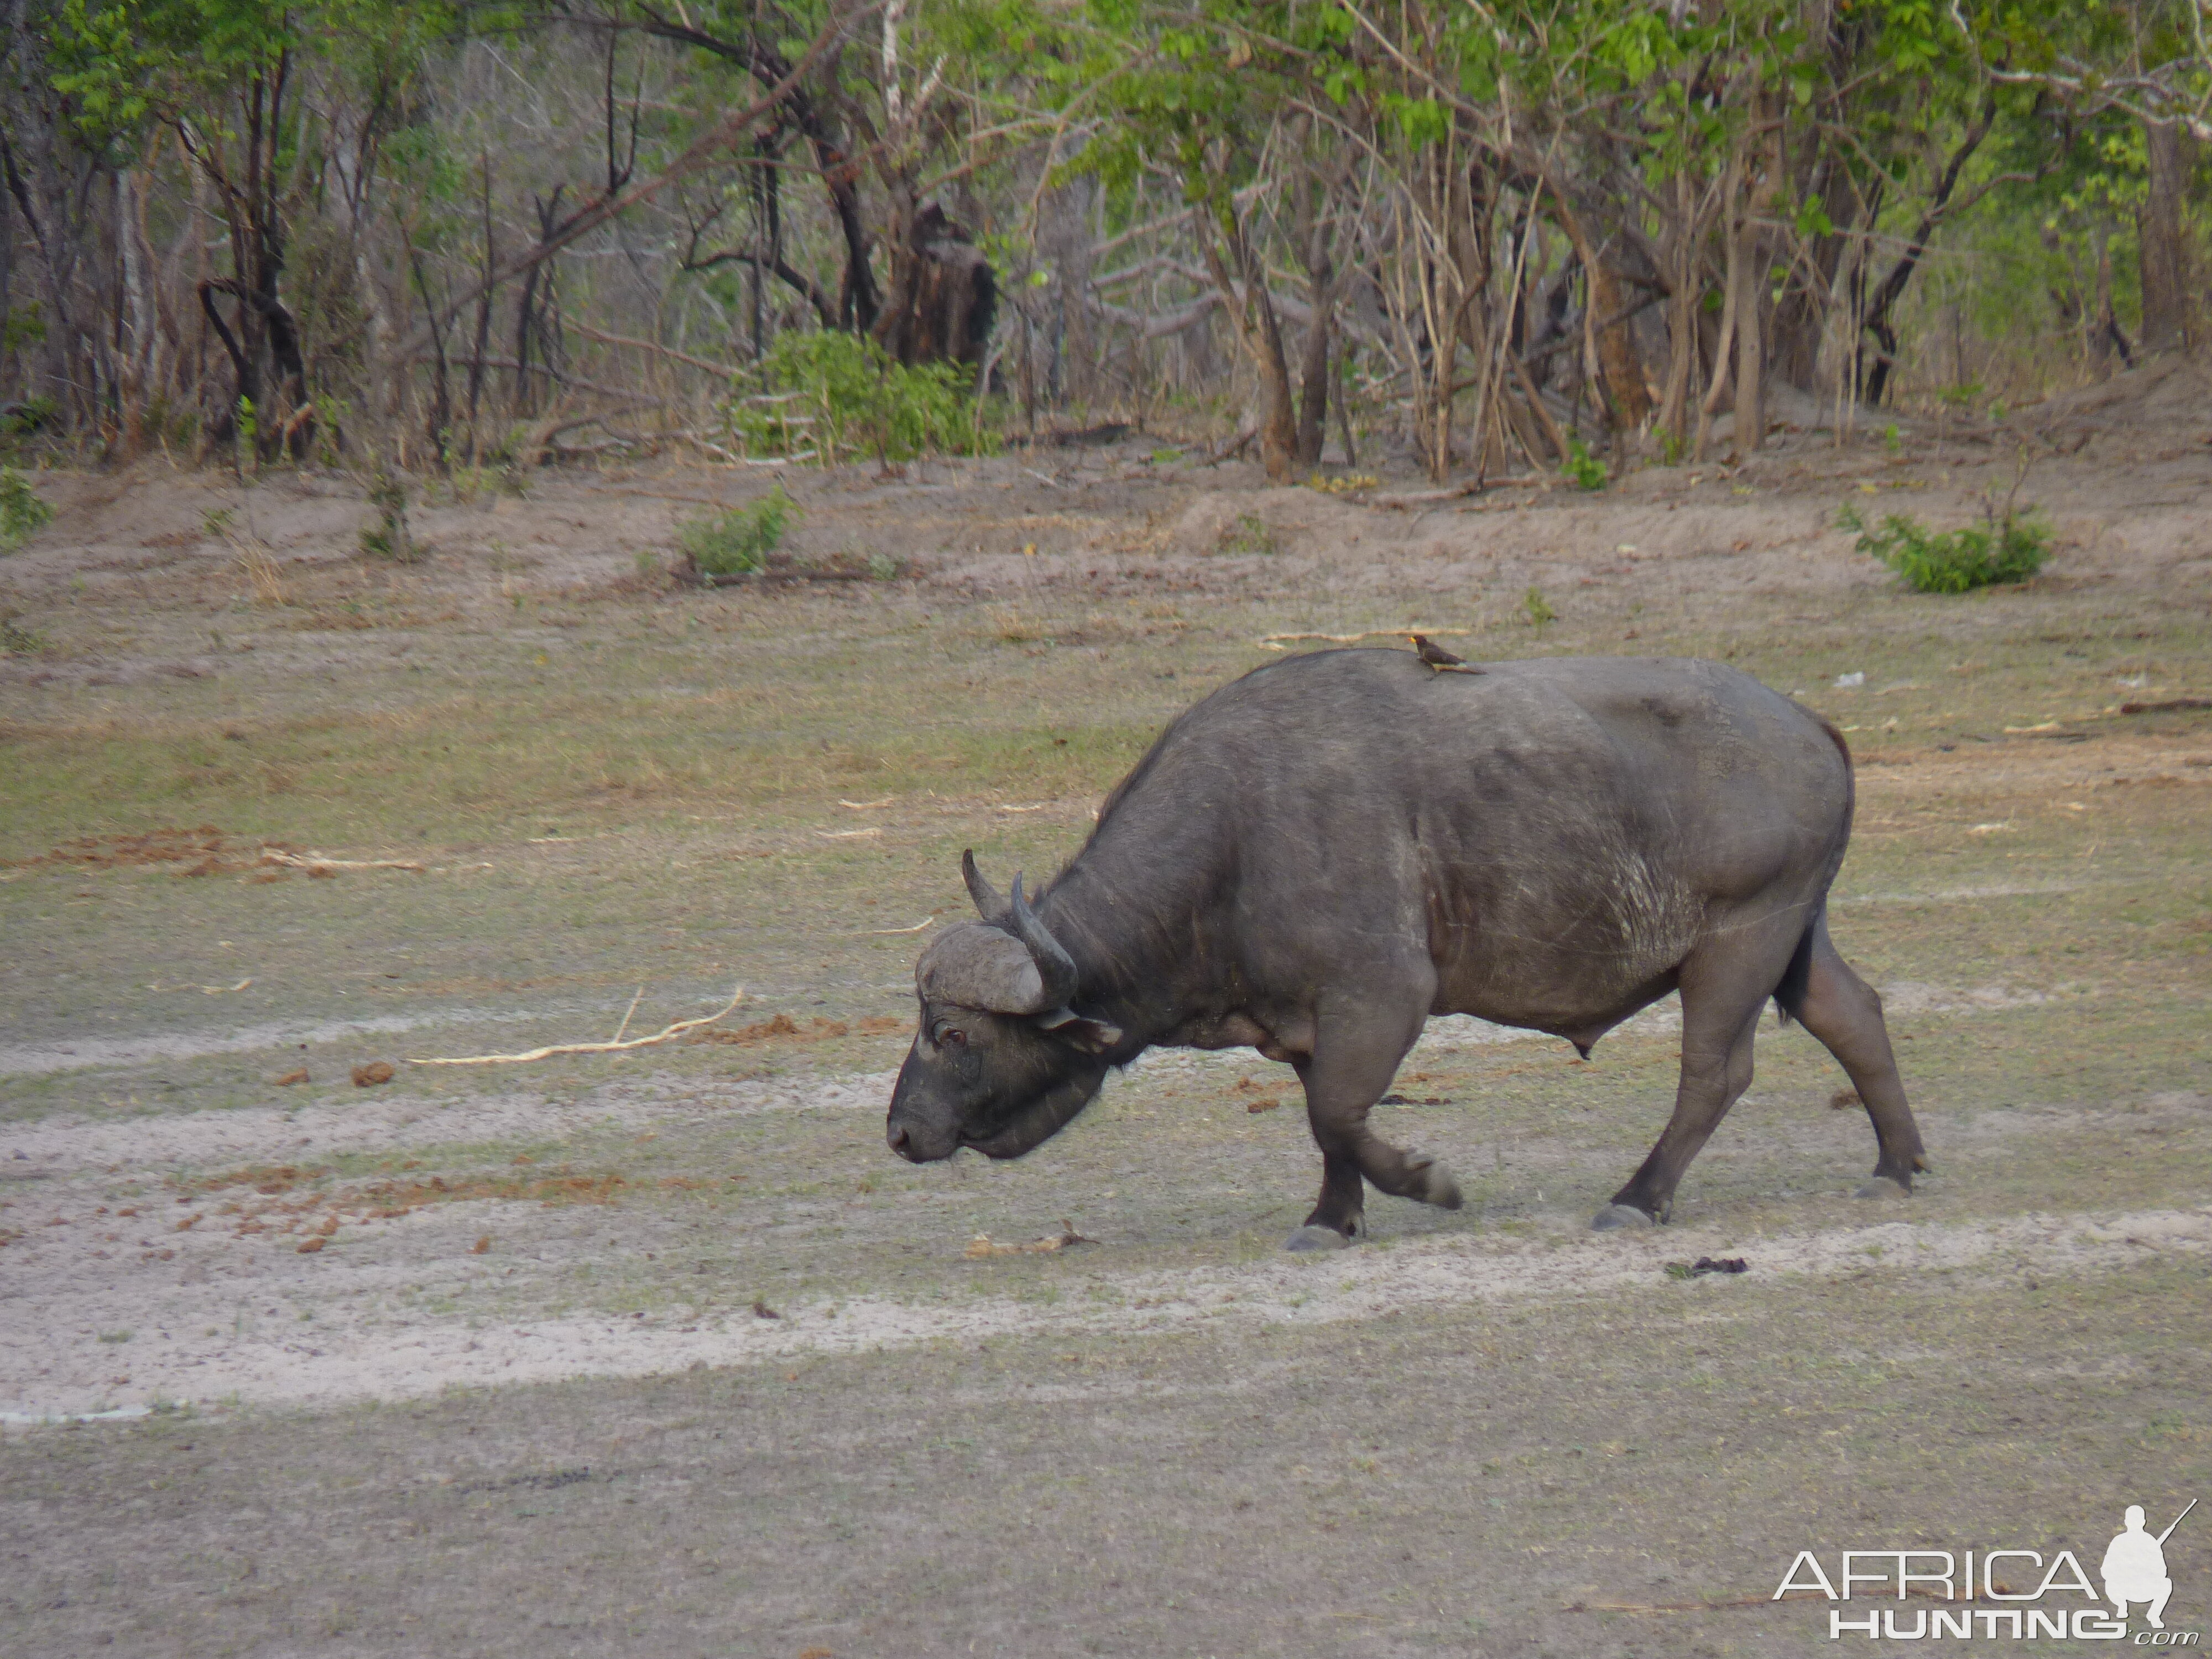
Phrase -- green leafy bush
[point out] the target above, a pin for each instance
(20, 420)
(738, 543)
(1584, 469)
(2007, 549)
(22, 509)
(389, 537)
(830, 397)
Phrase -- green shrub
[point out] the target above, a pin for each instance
(738, 543)
(1583, 469)
(22, 509)
(1537, 609)
(831, 397)
(2008, 548)
(389, 537)
(20, 420)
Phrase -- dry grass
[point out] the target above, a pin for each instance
(259, 567)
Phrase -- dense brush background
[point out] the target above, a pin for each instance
(1462, 236)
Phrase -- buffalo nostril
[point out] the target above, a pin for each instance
(897, 1137)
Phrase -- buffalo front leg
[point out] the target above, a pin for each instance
(1351, 1065)
(1844, 1012)
(1720, 1015)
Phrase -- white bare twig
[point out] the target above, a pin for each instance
(1276, 642)
(317, 861)
(551, 1049)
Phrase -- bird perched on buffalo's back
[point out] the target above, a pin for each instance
(1440, 661)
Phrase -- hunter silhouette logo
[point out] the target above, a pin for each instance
(2000, 1594)
(2135, 1566)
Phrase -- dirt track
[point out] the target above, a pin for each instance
(519, 1397)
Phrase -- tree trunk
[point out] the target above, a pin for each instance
(1313, 397)
(1279, 426)
(1732, 293)
(1531, 406)
(1874, 319)
(134, 353)
(2163, 241)
(1253, 311)
(1609, 353)
(2107, 338)
(1751, 309)
(1682, 340)
(942, 294)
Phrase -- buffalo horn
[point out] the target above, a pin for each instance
(1055, 965)
(988, 902)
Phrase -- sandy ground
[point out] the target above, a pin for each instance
(668, 1355)
(204, 1294)
(256, 1351)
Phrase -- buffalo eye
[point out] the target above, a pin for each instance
(952, 1037)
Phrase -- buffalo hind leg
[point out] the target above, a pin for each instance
(1844, 1012)
(1721, 1005)
(1351, 1066)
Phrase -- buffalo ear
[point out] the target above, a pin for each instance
(1092, 1036)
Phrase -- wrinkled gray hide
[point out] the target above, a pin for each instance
(1323, 853)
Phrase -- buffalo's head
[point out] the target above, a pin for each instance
(1001, 1060)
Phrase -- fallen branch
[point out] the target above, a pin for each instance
(779, 578)
(1275, 641)
(711, 448)
(548, 1052)
(1235, 446)
(1425, 498)
(984, 1245)
(2171, 705)
(317, 861)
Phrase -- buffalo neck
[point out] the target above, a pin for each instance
(1134, 911)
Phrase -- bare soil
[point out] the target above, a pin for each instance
(664, 1352)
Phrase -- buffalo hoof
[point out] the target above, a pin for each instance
(1315, 1237)
(1437, 1188)
(1616, 1216)
(1881, 1186)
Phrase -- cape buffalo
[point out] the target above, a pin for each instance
(1321, 854)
